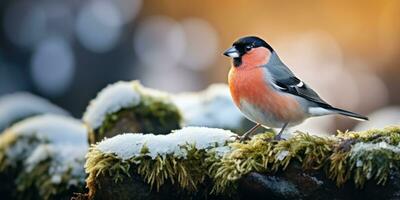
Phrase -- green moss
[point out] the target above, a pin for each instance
(262, 154)
(365, 164)
(188, 173)
(338, 157)
(152, 115)
(157, 172)
(38, 184)
(14, 149)
(8, 141)
(8, 168)
(317, 153)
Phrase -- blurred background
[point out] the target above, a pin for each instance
(67, 51)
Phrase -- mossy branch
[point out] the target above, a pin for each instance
(358, 156)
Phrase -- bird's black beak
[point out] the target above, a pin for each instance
(232, 52)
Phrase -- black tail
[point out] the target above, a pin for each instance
(349, 114)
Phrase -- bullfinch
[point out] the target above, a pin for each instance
(268, 93)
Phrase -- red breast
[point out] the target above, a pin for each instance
(248, 82)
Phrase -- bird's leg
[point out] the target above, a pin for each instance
(248, 133)
(278, 137)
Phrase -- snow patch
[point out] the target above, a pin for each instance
(56, 179)
(276, 184)
(41, 153)
(282, 155)
(131, 145)
(112, 98)
(221, 151)
(20, 105)
(313, 178)
(359, 163)
(68, 157)
(63, 143)
(115, 97)
(62, 157)
(212, 107)
(55, 128)
(363, 147)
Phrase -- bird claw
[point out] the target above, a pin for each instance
(278, 137)
(242, 138)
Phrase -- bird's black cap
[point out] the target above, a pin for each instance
(251, 40)
(243, 45)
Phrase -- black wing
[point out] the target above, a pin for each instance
(284, 80)
(295, 86)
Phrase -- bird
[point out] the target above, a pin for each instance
(268, 93)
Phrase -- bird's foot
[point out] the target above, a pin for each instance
(278, 137)
(242, 138)
(246, 136)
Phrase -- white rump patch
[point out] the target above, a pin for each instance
(318, 111)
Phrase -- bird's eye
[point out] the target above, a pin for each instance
(249, 47)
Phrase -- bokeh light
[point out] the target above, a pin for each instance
(14, 76)
(128, 9)
(53, 66)
(381, 118)
(317, 59)
(98, 25)
(370, 85)
(24, 23)
(201, 44)
(38, 21)
(346, 53)
(172, 79)
(159, 42)
(323, 125)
